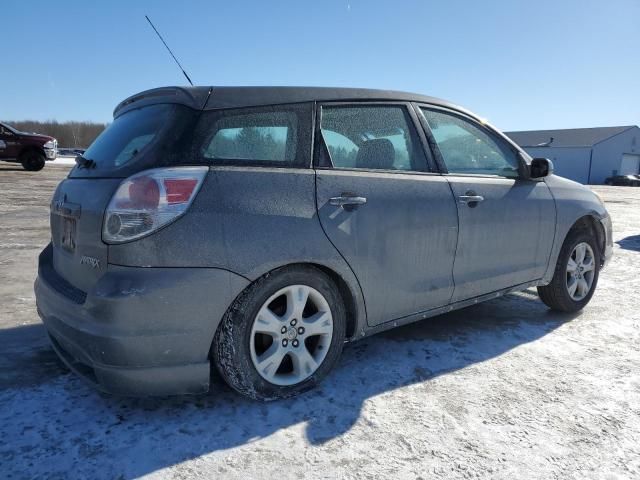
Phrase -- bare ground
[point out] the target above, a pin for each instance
(505, 389)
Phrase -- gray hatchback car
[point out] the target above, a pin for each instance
(258, 229)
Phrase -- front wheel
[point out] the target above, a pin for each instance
(282, 335)
(32, 161)
(576, 274)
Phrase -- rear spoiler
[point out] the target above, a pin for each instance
(193, 97)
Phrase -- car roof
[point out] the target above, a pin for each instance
(212, 98)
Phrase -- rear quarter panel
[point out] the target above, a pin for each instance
(248, 220)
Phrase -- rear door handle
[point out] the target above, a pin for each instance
(471, 199)
(348, 201)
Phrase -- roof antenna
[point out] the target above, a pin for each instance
(165, 44)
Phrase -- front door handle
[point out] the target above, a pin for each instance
(471, 199)
(348, 201)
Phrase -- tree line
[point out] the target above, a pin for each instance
(68, 134)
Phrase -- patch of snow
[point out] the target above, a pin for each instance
(63, 161)
(504, 389)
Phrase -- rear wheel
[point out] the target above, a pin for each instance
(32, 161)
(576, 274)
(282, 335)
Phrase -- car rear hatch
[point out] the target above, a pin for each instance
(151, 135)
(77, 208)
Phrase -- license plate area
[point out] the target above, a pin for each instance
(68, 240)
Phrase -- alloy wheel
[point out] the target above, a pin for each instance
(580, 271)
(291, 335)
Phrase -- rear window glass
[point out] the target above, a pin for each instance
(270, 136)
(128, 135)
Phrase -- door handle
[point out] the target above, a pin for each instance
(471, 199)
(348, 201)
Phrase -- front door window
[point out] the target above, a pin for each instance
(468, 149)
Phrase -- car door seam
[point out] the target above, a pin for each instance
(555, 230)
(364, 300)
(455, 252)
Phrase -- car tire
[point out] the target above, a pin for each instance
(557, 294)
(288, 359)
(32, 161)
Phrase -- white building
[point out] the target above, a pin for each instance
(586, 155)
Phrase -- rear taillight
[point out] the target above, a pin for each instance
(150, 200)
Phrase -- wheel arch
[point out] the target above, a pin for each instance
(351, 295)
(30, 148)
(556, 293)
(348, 297)
(589, 221)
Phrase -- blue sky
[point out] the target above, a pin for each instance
(522, 64)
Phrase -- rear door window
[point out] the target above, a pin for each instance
(378, 137)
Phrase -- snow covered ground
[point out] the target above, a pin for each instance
(505, 389)
(66, 160)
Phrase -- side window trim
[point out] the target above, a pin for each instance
(436, 150)
(322, 157)
(432, 165)
(431, 145)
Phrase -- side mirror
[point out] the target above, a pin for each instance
(540, 168)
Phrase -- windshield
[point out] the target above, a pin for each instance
(8, 127)
(129, 135)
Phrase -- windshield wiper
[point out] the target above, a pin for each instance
(84, 162)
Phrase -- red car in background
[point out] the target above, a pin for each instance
(29, 149)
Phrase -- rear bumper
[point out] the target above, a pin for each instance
(139, 331)
(129, 381)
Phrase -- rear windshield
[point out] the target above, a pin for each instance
(129, 135)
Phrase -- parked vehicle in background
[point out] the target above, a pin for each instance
(70, 152)
(624, 180)
(29, 149)
(257, 229)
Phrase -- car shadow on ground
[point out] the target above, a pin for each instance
(72, 425)
(26, 359)
(631, 242)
